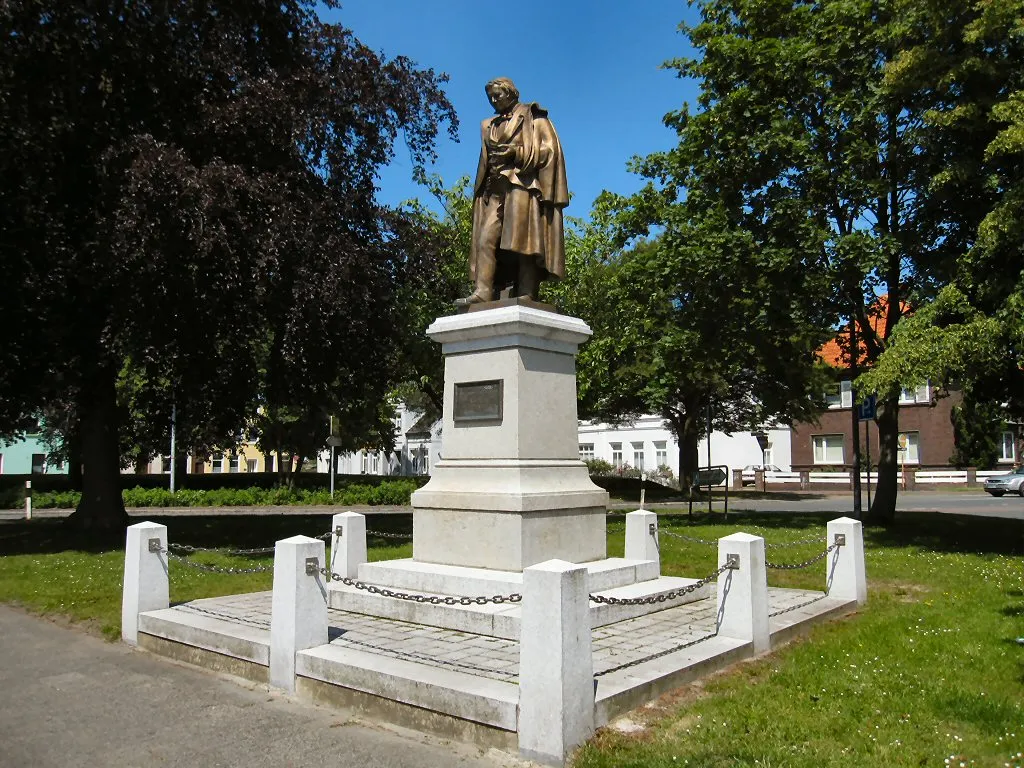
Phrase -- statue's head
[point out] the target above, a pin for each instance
(502, 93)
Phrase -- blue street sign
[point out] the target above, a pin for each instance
(866, 410)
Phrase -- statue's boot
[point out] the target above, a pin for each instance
(528, 284)
(484, 289)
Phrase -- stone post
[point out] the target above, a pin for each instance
(146, 584)
(642, 537)
(910, 477)
(348, 549)
(556, 667)
(737, 479)
(743, 591)
(298, 608)
(759, 480)
(805, 479)
(845, 575)
(972, 477)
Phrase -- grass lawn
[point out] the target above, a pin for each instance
(929, 673)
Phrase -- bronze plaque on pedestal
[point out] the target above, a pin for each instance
(477, 401)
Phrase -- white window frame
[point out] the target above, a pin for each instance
(639, 456)
(840, 395)
(587, 451)
(912, 453)
(922, 393)
(768, 459)
(1008, 440)
(234, 464)
(661, 453)
(216, 465)
(616, 455)
(822, 445)
(252, 465)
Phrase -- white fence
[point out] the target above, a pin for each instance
(950, 477)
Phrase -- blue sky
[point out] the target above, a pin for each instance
(594, 65)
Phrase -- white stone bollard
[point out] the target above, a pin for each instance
(556, 667)
(642, 537)
(743, 591)
(845, 575)
(146, 584)
(348, 549)
(298, 608)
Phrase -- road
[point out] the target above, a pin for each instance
(72, 700)
(963, 502)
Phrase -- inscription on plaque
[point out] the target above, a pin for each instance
(477, 401)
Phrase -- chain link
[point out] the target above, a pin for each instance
(658, 655)
(804, 564)
(809, 540)
(215, 568)
(387, 535)
(416, 598)
(692, 539)
(189, 549)
(664, 595)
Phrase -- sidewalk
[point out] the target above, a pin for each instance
(72, 700)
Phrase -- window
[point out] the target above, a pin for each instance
(217, 464)
(768, 454)
(38, 463)
(271, 467)
(1009, 447)
(234, 463)
(638, 456)
(909, 447)
(165, 464)
(920, 394)
(828, 449)
(587, 451)
(840, 395)
(371, 463)
(661, 453)
(250, 465)
(616, 455)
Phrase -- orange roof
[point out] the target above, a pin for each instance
(837, 351)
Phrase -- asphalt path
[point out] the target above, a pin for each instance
(72, 700)
(961, 502)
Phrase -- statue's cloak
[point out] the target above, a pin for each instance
(536, 191)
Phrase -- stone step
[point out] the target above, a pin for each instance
(502, 620)
(448, 691)
(409, 574)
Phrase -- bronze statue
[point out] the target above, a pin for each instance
(518, 198)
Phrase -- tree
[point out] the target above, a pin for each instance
(808, 138)
(693, 320)
(187, 193)
(969, 71)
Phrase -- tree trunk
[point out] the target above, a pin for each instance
(101, 511)
(74, 450)
(883, 506)
(687, 436)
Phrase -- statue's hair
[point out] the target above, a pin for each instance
(505, 83)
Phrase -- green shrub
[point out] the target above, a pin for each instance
(599, 467)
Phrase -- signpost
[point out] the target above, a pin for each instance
(866, 412)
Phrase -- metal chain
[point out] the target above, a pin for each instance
(804, 564)
(432, 599)
(809, 540)
(799, 605)
(675, 535)
(216, 568)
(664, 595)
(189, 549)
(386, 535)
(658, 655)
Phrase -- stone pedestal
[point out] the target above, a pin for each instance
(509, 490)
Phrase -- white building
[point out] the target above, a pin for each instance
(646, 444)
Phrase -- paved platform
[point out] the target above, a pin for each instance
(464, 676)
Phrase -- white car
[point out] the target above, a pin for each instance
(1011, 482)
(750, 469)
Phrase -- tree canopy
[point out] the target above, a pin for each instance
(187, 195)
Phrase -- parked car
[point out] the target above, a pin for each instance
(750, 469)
(1011, 482)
